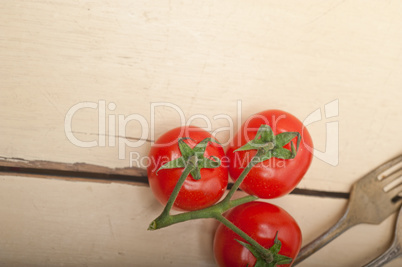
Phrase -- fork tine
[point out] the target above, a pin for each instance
(382, 170)
(368, 203)
(395, 194)
(391, 179)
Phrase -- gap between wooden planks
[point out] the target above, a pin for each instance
(90, 172)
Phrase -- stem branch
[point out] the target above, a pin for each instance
(239, 180)
(165, 219)
(263, 251)
(189, 167)
(214, 211)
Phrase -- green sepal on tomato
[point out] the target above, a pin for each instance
(168, 157)
(281, 166)
(266, 224)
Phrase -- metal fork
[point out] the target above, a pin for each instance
(369, 203)
(395, 250)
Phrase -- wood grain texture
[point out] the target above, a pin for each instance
(18, 166)
(95, 173)
(209, 61)
(55, 222)
(202, 58)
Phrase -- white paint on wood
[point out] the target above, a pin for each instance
(201, 57)
(46, 222)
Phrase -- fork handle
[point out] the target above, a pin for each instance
(391, 253)
(341, 226)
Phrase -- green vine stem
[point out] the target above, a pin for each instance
(191, 165)
(214, 211)
(210, 212)
(165, 219)
(239, 180)
(268, 257)
(267, 146)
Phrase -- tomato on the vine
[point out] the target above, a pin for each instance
(275, 176)
(194, 194)
(261, 221)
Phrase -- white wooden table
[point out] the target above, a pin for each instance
(86, 86)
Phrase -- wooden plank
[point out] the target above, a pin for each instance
(95, 173)
(18, 166)
(201, 58)
(47, 222)
(124, 72)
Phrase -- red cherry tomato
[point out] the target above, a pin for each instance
(274, 177)
(261, 221)
(194, 194)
